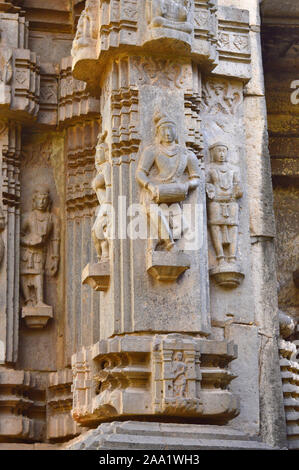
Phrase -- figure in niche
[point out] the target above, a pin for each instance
(179, 369)
(167, 171)
(173, 14)
(102, 187)
(40, 245)
(223, 190)
(84, 30)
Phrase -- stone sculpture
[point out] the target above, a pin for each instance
(102, 187)
(167, 171)
(84, 31)
(172, 14)
(40, 242)
(179, 369)
(224, 189)
(97, 275)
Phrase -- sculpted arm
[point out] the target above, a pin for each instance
(238, 191)
(24, 229)
(98, 182)
(210, 187)
(194, 171)
(145, 164)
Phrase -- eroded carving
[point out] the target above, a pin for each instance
(102, 187)
(172, 14)
(224, 188)
(97, 276)
(179, 369)
(40, 243)
(6, 70)
(220, 97)
(86, 33)
(160, 72)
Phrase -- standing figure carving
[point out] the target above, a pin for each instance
(179, 375)
(40, 247)
(85, 28)
(173, 14)
(167, 171)
(102, 187)
(223, 187)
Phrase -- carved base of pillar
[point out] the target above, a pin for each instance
(97, 275)
(37, 317)
(161, 375)
(135, 435)
(167, 266)
(227, 275)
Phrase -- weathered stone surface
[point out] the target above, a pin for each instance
(137, 225)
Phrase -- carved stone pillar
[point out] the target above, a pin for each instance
(172, 224)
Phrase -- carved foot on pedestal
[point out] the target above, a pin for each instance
(37, 317)
(97, 275)
(167, 266)
(227, 275)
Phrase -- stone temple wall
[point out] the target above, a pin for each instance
(149, 272)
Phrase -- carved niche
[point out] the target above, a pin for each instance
(40, 252)
(224, 189)
(98, 275)
(167, 172)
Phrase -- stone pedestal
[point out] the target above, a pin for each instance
(167, 266)
(228, 275)
(97, 275)
(37, 317)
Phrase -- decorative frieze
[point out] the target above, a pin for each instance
(60, 424)
(233, 43)
(171, 375)
(22, 406)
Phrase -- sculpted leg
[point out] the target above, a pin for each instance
(97, 244)
(105, 249)
(217, 241)
(233, 246)
(26, 289)
(39, 287)
(160, 225)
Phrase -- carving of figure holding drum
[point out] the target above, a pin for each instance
(167, 171)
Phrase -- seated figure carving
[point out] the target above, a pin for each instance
(167, 171)
(173, 14)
